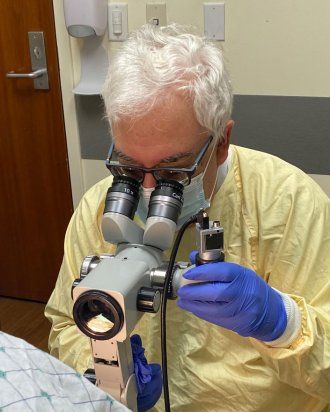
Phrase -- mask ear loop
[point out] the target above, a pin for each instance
(215, 179)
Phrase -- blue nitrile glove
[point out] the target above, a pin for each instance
(149, 380)
(235, 298)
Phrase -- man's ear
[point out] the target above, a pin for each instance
(223, 145)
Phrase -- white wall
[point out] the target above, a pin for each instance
(272, 47)
(66, 66)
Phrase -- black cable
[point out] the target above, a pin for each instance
(168, 279)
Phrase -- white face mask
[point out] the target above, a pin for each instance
(193, 195)
(143, 206)
(194, 199)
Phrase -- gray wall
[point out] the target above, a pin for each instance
(297, 129)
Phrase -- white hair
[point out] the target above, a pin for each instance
(153, 60)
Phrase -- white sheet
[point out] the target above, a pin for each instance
(32, 380)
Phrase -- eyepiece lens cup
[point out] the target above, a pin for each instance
(123, 196)
(166, 200)
(98, 315)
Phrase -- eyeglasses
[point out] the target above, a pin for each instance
(182, 175)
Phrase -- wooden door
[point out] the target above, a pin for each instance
(35, 191)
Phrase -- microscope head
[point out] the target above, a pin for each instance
(111, 295)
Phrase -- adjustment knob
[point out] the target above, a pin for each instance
(89, 263)
(148, 300)
(74, 284)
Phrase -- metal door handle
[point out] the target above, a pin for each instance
(39, 73)
(32, 75)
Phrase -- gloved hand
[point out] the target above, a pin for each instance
(235, 298)
(149, 378)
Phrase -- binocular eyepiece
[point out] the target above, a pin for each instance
(123, 196)
(166, 200)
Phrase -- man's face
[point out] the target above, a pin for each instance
(168, 135)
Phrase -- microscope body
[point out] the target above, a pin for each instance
(113, 291)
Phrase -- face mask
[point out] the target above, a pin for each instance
(143, 206)
(194, 199)
(194, 196)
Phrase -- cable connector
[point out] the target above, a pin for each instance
(210, 240)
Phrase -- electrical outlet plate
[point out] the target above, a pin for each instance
(214, 21)
(156, 14)
(117, 21)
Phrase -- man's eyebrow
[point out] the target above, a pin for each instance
(123, 156)
(176, 157)
(169, 159)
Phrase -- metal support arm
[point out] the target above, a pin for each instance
(114, 370)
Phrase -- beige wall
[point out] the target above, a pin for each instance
(323, 181)
(67, 64)
(272, 47)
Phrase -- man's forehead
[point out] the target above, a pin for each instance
(159, 136)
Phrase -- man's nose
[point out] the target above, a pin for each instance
(149, 181)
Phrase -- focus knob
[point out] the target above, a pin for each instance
(74, 284)
(89, 263)
(148, 300)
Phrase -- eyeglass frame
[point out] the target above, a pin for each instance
(189, 170)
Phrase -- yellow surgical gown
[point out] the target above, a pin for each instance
(276, 221)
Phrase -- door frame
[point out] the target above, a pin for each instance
(65, 59)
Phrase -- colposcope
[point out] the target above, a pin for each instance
(113, 291)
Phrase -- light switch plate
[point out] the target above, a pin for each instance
(214, 21)
(156, 14)
(117, 21)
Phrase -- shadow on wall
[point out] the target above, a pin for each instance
(94, 133)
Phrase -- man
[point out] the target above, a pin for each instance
(255, 336)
